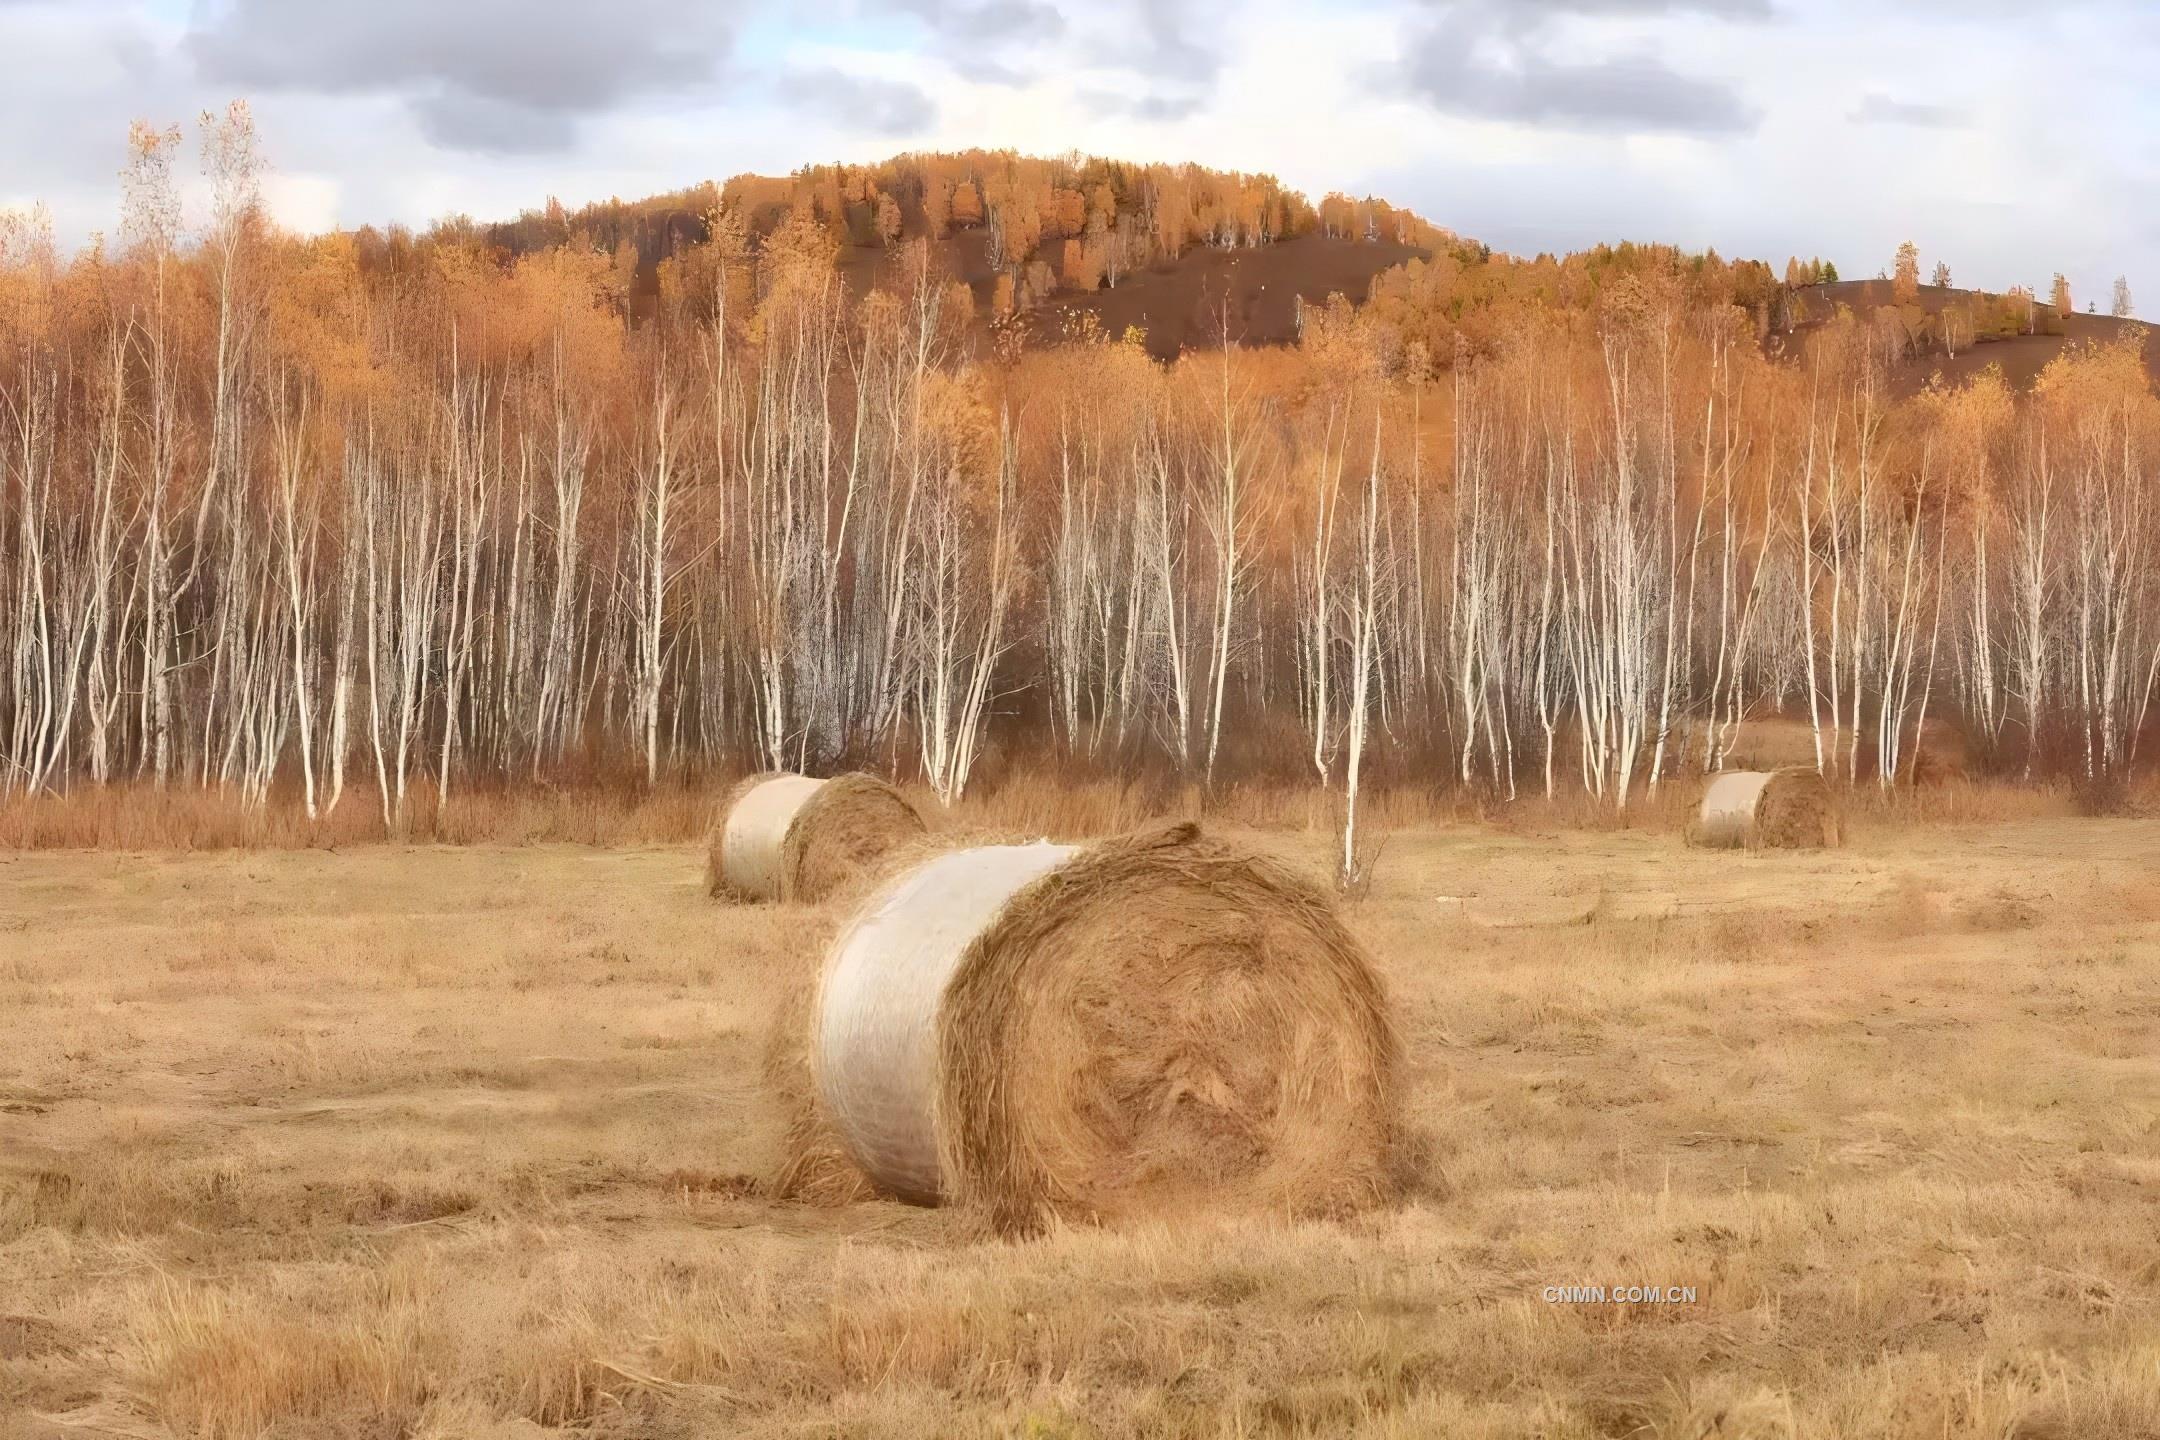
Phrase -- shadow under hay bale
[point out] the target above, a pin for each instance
(1149, 1026)
(790, 837)
(1789, 809)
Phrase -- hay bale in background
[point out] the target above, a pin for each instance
(1144, 1026)
(1790, 809)
(716, 842)
(742, 858)
(853, 822)
(789, 837)
(1727, 816)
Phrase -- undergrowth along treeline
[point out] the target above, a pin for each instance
(278, 516)
(1009, 807)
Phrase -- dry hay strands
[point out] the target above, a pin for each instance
(789, 837)
(1151, 1026)
(815, 1167)
(1789, 809)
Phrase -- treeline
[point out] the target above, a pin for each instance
(1903, 329)
(277, 520)
(1469, 302)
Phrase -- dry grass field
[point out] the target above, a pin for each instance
(467, 1142)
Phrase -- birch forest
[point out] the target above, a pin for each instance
(326, 520)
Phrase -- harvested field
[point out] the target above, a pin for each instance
(473, 1142)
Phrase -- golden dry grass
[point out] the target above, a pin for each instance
(1036, 801)
(457, 1143)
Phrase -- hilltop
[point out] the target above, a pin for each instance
(1176, 251)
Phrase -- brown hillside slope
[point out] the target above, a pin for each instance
(2021, 357)
(1178, 303)
(1184, 304)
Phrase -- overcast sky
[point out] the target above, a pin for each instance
(2011, 139)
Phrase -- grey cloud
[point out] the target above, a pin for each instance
(989, 71)
(987, 21)
(888, 107)
(75, 80)
(1003, 41)
(1156, 109)
(1636, 91)
(1170, 47)
(1172, 74)
(1878, 109)
(1156, 46)
(470, 70)
(1720, 9)
(994, 41)
(1486, 59)
(461, 121)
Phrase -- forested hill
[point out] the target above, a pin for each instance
(1941, 335)
(1178, 252)
(1179, 255)
(1182, 257)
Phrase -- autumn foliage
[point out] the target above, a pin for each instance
(690, 486)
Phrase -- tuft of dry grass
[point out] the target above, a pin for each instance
(230, 1366)
(142, 817)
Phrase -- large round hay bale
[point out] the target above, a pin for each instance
(814, 1167)
(1790, 809)
(1140, 1027)
(789, 837)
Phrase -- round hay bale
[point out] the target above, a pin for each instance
(1790, 809)
(717, 843)
(815, 1168)
(789, 837)
(1142, 1027)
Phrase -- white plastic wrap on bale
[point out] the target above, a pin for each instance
(755, 841)
(1728, 806)
(875, 1046)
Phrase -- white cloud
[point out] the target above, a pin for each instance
(2008, 139)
